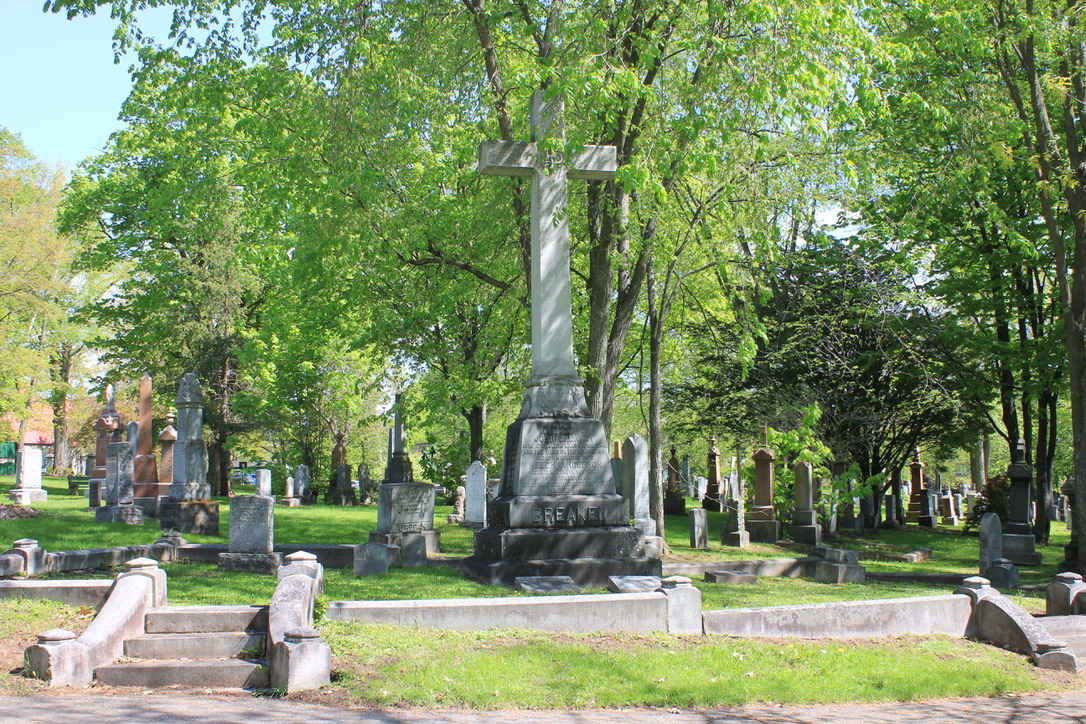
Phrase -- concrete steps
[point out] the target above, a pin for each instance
(1070, 629)
(195, 647)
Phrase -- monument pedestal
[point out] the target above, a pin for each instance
(674, 506)
(189, 516)
(131, 514)
(764, 531)
(587, 555)
(26, 496)
(809, 534)
(736, 538)
(1019, 549)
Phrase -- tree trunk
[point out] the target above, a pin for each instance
(476, 417)
(656, 437)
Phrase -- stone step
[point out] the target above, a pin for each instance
(220, 645)
(216, 674)
(206, 619)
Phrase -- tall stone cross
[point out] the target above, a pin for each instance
(552, 315)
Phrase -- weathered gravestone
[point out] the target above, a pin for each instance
(264, 482)
(991, 541)
(252, 525)
(635, 483)
(674, 502)
(290, 498)
(301, 481)
(558, 512)
(188, 507)
(713, 493)
(457, 516)
(805, 527)
(403, 505)
(108, 428)
(762, 524)
(699, 528)
(1018, 540)
(166, 439)
(365, 485)
(28, 488)
(374, 559)
(475, 495)
(120, 474)
(341, 491)
(701, 484)
(147, 487)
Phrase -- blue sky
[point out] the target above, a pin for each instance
(61, 90)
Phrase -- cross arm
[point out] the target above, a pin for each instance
(506, 158)
(594, 163)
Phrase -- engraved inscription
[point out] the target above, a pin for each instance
(561, 456)
(553, 516)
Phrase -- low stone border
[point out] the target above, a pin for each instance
(73, 593)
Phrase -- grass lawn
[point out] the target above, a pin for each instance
(391, 665)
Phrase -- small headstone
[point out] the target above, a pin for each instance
(826, 572)
(301, 481)
(412, 550)
(633, 584)
(699, 528)
(991, 541)
(1002, 574)
(475, 494)
(545, 584)
(730, 577)
(288, 487)
(264, 482)
(365, 485)
(701, 484)
(371, 559)
(635, 482)
(252, 525)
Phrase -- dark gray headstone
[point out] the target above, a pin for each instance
(991, 541)
(699, 528)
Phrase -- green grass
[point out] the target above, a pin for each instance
(500, 669)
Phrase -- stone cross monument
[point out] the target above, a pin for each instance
(557, 512)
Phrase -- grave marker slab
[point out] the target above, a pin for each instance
(475, 495)
(252, 526)
(403, 505)
(633, 584)
(540, 585)
(991, 541)
(635, 482)
(28, 488)
(805, 527)
(699, 528)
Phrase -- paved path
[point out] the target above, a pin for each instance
(157, 708)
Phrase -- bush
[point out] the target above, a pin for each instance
(993, 499)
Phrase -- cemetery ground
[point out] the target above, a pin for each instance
(388, 665)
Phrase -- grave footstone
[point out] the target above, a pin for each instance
(805, 527)
(404, 505)
(635, 483)
(475, 495)
(762, 524)
(252, 526)
(731, 577)
(558, 512)
(1018, 540)
(633, 584)
(188, 507)
(28, 488)
(540, 585)
(699, 528)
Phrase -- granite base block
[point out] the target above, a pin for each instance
(809, 534)
(130, 514)
(586, 572)
(927, 521)
(736, 539)
(149, 505)
(265, 563)
(1020, 549)
(730, 577)
(674, 506)
(189, 516)
(839, 573)
(289, 502)
(764, 531)
(505, 544)
(26, 496)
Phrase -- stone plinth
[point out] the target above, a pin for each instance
(130, 514)
(764, 531)
(394, 540)
(189, 516)
(1020, 549)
